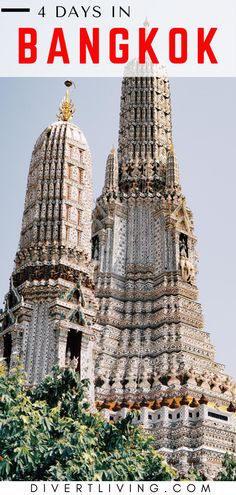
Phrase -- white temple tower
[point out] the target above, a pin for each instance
(50, 310)
(142, 343)
(154, 354)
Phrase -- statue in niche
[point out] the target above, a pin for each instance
(77, 315)
(95, 248)
(186, 267)
(74, 363)
(71, 363)
(67, 359)
(183, 245)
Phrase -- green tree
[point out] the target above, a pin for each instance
(228, 472)
(49, 433)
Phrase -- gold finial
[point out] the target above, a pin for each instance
(172, 149)
(67, 108)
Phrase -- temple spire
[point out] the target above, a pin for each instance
(67, 108)
(111, 177)
(172, 169)
(153, 351)
(146, 24)
(145, 134)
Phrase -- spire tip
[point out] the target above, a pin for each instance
(68, 83)
(146, 23)
(172, 149)
(67, 108)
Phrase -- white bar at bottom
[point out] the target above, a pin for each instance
(116, 488)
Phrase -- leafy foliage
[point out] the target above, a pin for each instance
(49, 433)
(229, 469)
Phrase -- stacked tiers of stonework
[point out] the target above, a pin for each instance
(50, 309)
(152, 344)
(189, 432)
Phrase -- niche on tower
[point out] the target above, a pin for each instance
(186, 266)
(183, 245)
(95, 248)
(73, 350)
(7, 349)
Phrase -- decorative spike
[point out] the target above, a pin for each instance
(172, 169)
(106, 404)
(184, 401)
(165, 402)
(174, 404)
(146, 23)
(144, 403)
(156, 405)
(111, 177)
(125, 403)
(194, 403)
(116, 407)
(67, 108)
(231, 408)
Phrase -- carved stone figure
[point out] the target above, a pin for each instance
(74, 363)
(173, 380)
(116, 383)
(191, 376)
(95, 248)
(187, 269)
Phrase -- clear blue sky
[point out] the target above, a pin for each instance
(204, 132)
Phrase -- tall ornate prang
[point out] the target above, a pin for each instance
(154, 354)
(142, 343)
(50, 308)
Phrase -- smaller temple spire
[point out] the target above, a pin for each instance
(146, 23)
(67, 108)
(111, 177)
(172, 169)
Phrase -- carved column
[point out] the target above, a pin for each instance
(61, 338)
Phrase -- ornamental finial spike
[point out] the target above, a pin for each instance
(67, 108)
(146, 23)
(172, 149)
